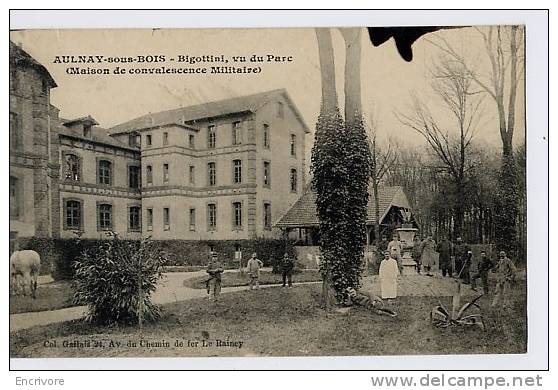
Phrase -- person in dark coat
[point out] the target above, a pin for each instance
(287, 268)
(461, 252)
(214, 270)
(483, 268)
(445, 249)
(465, 272)
(416, 253)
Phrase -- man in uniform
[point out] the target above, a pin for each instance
(287, 267)
(254, 265)
(369, 302)
(215, 270)
(445, 250)
(505, 275)
(461, 254)
(484, 265)
(394, 248)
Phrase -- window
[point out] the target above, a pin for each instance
(165, 173)
(15, 131)
(293, 145)
(165, 138)
(237, 171)
(166, 218)
(192, 141)
(72, 167)
(211, 174)
(267, 174)
(267, 216)
(134, 218)
(148, 140)
(134, 139)
(192, 175)
(211, 216)
(134, 176)
(149, 174)
(104, 216)
(236, 133)
(73, 215)
(149, 219)
(192, 219)
(266, 141)
(294, 181)
(14, 197)
(105, 172)
(280, 110)
(237, 215)
(211, 137)
(87, 130)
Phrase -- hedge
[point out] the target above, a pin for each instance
(58, 255)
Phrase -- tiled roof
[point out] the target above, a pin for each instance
(249, 103)
(98, 134)
(303, 212)
(21, 57)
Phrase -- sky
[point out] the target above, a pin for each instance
(387, 80)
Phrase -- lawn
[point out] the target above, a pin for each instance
(49, 297)
(236, 279)
(282, 322)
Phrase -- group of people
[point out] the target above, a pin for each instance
(422, 253)
(215, 270)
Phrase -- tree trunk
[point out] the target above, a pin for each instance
(376, 210)
(329, 105)
(327, 69)
(353, 103)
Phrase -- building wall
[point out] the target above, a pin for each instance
(179, 194)
(91, 193)
(29, 159)
(179, 227)
(279, 194)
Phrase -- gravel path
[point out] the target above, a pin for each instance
(171, 289)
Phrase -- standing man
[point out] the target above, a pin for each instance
(460, 252)
(287, 267)
(395, 249)
(254, 265)
(505, 275)
(417, 253)
(215, 270)
(445, 249)
(427, 254)
(484, 265)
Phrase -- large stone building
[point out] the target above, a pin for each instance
(225, 170)
(34, 169)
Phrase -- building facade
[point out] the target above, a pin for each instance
(225, 170)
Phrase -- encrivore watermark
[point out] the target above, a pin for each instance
(38, 381)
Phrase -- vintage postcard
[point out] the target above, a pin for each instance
(268, 192)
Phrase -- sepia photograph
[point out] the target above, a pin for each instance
(268, 192)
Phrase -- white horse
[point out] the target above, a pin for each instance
(25, 265)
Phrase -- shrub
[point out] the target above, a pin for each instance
(108, 280)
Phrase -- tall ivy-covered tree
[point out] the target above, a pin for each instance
(340, 165)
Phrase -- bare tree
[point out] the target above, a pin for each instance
(503, 45)
(382, 159)
(453, 84)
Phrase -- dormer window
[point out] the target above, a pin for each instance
(87, 130)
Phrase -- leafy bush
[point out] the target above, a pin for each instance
(116, 281)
